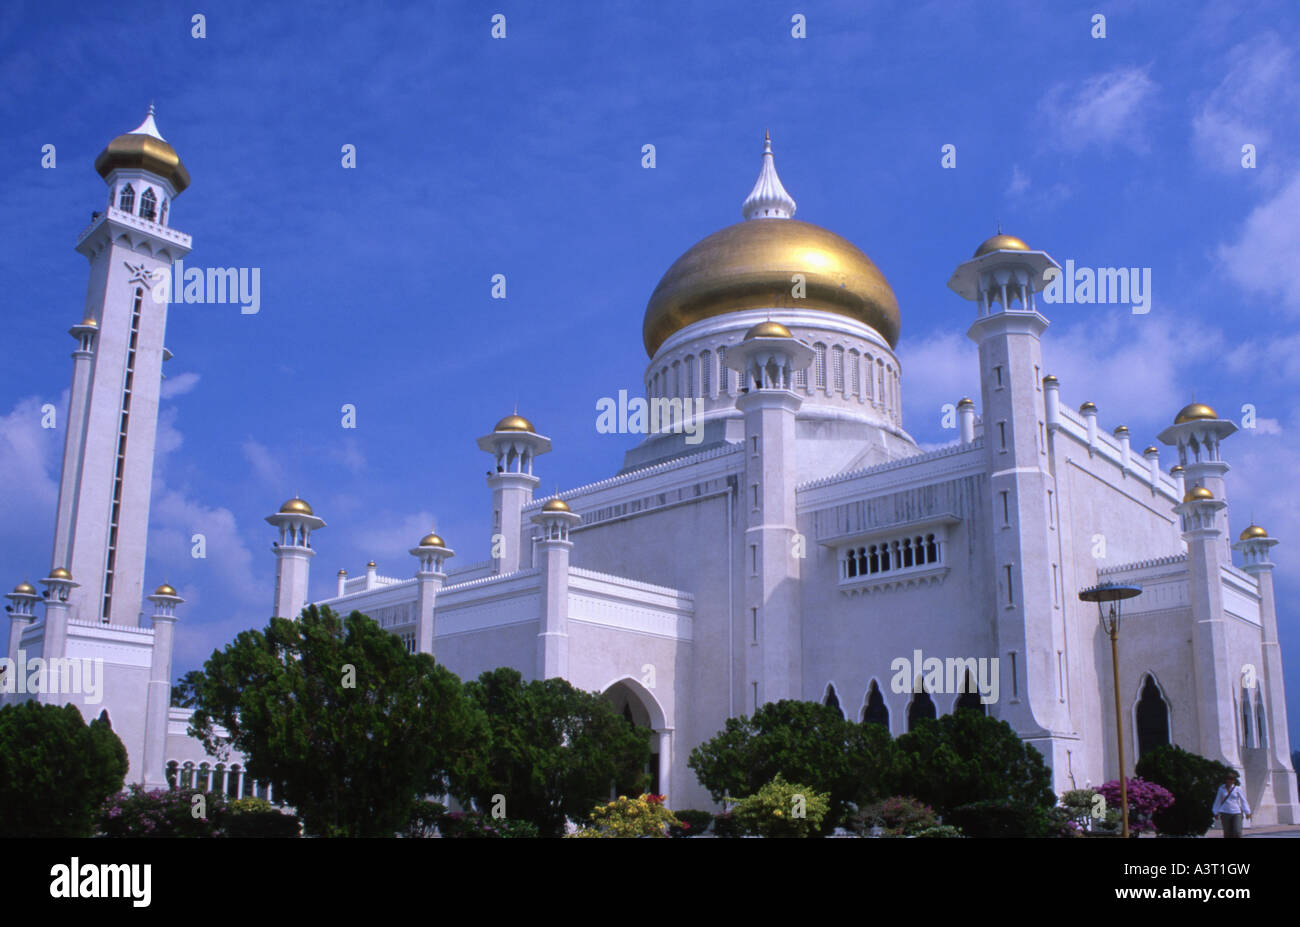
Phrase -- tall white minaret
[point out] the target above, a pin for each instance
(513, 444)
(103, 509)
(293, 552)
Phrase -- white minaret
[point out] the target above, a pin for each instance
(1002, 279)
(293, 553)
(158, 702)
(513, 444)
(432, 552)
(103, 508)
(1198, 432)
(1255, 545)
(553, 550)
(767, 359)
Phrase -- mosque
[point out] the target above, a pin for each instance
(796, 544)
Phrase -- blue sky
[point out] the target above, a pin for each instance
(522, 156)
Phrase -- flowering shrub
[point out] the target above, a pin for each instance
(162, 813)
(782, 809)
(897, 816)
(472, 824)
(693, 823)
(644, 816)
(1144, 800)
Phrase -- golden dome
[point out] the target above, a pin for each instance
(1151, 449)
(91, 322)
(1194, 412)
(749, 265)
(144, 149)
(768, 329)
(164, 589)
(1088, 407)
(343, 572)
(60, 573)
(370, 565)
(966, 401)
(556, 505)
(1000, 242)
(1050, 378)
(296, 506)
(515, 422)
(1254, 531)
(1176, 468)
(432, 540)
(1121, 429)
(1197, 493)
(25, 589)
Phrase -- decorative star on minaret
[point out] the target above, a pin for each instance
(139, 273)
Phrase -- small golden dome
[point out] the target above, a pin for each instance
(90, 322)
(370, 565)
(432, 540)
(1176, 468)
(1000, 242)
(515, 422)
(749, 265)
(1121, 429)
(25, 589)
(1151, 449)
(556, 505)
(1088, 407)
(343, 572)
(1254, 531)
(164, 589)
(296, 506)
(1194, 412)
(965, 401)
(768, 329)
(1050, 379)
(1197, 493)
(60, 573)
(144, 149)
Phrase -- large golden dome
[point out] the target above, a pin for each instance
(145, 149)
(1196, 411)
(749, 265)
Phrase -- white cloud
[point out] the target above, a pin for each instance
(179, 385)
(938, 370)
(266, 468)
(1258, 90)
(1019, 182)
(1263, 260)
(29, 491)
(1106, 111)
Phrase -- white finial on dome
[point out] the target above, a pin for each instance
(148, 127)
(768, 199)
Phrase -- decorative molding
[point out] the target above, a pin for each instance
(902, 579)
(900, 463)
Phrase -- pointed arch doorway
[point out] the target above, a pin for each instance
(638, 706)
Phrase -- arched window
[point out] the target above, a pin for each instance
(868, 382)
(690, 376)
(970, 697)
(832, 700)
(706, 374)
(921, 707)
(837, 370)
(187, 776)
(862, 561)
(855, 373)
(851, 564)
(173, 774)
(907, 552)
(1152, 718)
(820, 363)
(1261, 728)
(875, 712)
(1247, 732)
(232, 781)
(875, 559)
(148, 205)
(204, 782)
(724, 373)
(677, 380)
(126, 200)
(162, 213)
(931, 549)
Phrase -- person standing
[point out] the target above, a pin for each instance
(1230, 804)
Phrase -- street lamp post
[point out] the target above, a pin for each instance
(1114, 593)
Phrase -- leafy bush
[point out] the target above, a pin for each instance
(1145, 800)
(726, 825)
(163, 813)
(257, 817)
(473, 824)
(644, 816)
(693, 823)
(782, 809)
(1192, 780)
(424, 819)
(939, 830)
(896, 817)
(1001, 819)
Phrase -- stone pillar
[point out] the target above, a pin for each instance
(553, 551)
(158, 702)
(431, 553)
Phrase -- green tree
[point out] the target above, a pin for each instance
(1192, 779)
(805, 742)
(55, 771)
(967, 757)
(186, 686)
(553, 751)
(348, 727)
